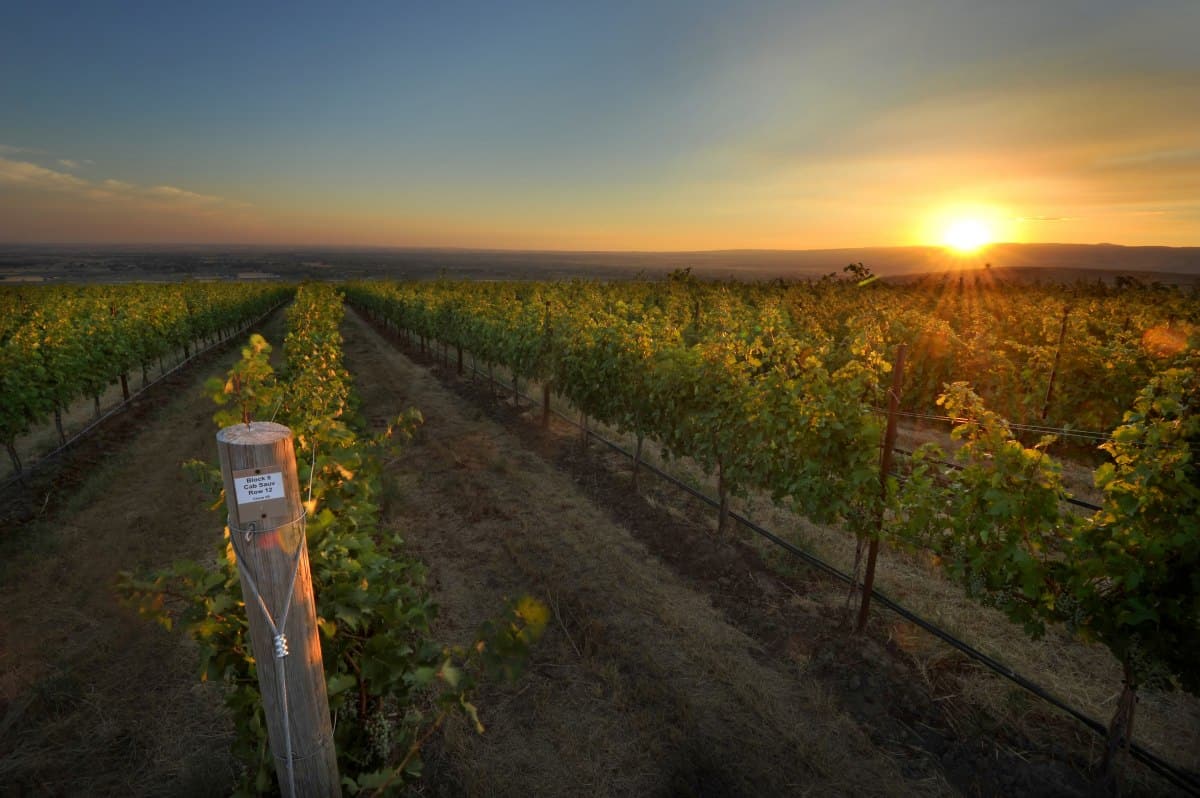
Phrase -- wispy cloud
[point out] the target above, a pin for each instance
(183, 195)
(67, 163)
(31, 176)
(1165, 158)
(8, 149)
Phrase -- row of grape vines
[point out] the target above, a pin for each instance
(750, 383)
(59, 344)
(374, 612)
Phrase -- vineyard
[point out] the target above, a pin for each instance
(778, 390)
(1052, 472)
(61, 344)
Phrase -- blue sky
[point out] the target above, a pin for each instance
(603, 126)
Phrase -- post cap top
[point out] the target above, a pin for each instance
(254, 433)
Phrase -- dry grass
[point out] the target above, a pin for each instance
(94, 700)
(641, 686)
(1082, 674)
(43, 438)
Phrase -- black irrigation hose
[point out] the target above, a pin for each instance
(44, 459)
(1177, 776)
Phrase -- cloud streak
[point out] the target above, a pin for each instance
(29, 176)
(8, 149)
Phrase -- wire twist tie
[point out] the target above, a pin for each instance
(251, 529)
(281, 646)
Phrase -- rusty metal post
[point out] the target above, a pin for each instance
(885, 466)
(1062, 336)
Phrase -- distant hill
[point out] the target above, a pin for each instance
(1180, 265)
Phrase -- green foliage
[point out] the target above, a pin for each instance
(737, 388)
(995, 520)
(61, 343)
(1136, 579)
(773, 385)
(389, 683)
(250, 386)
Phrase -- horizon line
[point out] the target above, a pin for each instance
(434, 248)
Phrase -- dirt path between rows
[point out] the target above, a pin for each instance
(640, 686)
(93, 699)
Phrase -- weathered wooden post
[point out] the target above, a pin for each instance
(266, 521)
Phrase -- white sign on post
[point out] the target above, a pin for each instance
(259, 487)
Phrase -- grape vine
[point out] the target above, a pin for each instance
(389, 684)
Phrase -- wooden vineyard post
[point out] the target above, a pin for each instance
(460, 360)
(546, 404)
(885, 466)
(266, 517)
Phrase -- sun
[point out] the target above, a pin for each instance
(967, 235)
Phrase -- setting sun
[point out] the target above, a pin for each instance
(967, 235)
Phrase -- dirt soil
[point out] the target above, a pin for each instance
(678, 663)
(93, 699)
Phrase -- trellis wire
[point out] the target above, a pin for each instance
(1091, 436)
(279, 638)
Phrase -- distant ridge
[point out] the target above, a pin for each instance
(1059, 262)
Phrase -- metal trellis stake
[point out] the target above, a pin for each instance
(885, 466)
(1062, 336)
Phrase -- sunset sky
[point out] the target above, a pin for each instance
(639, 125)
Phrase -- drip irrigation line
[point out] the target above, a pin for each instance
(124, 403)
(1176, 776)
